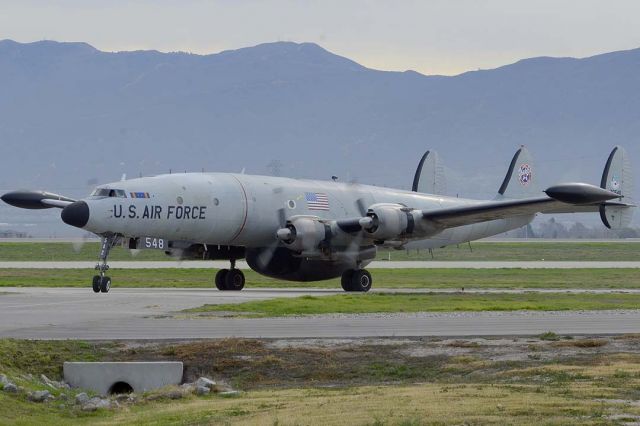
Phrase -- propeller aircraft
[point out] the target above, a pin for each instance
(309, 230)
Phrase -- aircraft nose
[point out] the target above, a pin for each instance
(76, 214)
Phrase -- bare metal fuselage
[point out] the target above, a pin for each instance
(242, 210)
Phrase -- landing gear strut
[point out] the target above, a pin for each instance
(102, 283)
(230, 279)
(356, 280)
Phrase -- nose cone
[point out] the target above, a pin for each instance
(76, 214)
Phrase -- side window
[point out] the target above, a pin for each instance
(100, 192)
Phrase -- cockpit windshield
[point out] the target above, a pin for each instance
(109, 192)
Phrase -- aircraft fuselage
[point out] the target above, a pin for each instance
(242, 210)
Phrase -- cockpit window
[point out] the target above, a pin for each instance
(108, 192)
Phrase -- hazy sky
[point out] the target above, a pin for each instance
(433, 37)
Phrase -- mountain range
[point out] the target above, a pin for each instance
(72, 116)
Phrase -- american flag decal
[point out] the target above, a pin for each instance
(317, 200)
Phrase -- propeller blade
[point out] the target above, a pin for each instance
(265, 257)
(353, 249)
(356, 224)
(79, 244)
(362, 207)
(282, 217)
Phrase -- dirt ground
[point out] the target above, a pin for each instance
(254, 364)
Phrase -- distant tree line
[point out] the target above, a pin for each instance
(14, 234)
(552, 228)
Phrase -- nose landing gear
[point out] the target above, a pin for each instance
(102, 283)
(230, 279)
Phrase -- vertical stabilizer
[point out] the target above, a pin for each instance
(430, 177)
(617, 177)
(520, 180)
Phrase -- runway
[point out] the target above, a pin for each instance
(78, 313)
(380, 264)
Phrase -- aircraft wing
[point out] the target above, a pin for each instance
(574, 197)
(483, 212)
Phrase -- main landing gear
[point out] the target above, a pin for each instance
(230, 279)
(356, 280)
(102, 283)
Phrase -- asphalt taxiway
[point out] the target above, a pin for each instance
(78, 313)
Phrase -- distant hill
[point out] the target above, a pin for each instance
(71, 115)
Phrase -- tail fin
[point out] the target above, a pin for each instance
(520, 181)
(617, 177)
(430, 177)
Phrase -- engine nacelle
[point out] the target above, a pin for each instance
(303, 234)
(388, 221)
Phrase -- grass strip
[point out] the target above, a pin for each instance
(383, 278)
(505, 251)
(429, 302)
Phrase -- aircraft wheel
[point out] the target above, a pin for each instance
(346, 279)
(96, 283)
(105, 284)
(234, 280)
(221, 275)
(361, 280)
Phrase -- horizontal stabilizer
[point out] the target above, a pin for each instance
(35, 199)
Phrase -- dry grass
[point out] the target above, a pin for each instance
(582, 343)
(394, 405)
(367, 384)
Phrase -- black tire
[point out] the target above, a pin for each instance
(346, 279)
(361, 281)
(221, 275)
(105, 284)
(234, 280)
(96, 283)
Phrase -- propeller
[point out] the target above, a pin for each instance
(357, 224)
(79, 244)
(265, 257)
(363, 223)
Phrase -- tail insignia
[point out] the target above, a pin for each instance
(525, 174)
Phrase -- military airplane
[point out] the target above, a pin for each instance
(309, 230)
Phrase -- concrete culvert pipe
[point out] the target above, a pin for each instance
(119, 388)
(122, 377)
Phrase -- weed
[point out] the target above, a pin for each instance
(582, 343)
(549, 335)
(621, 374)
